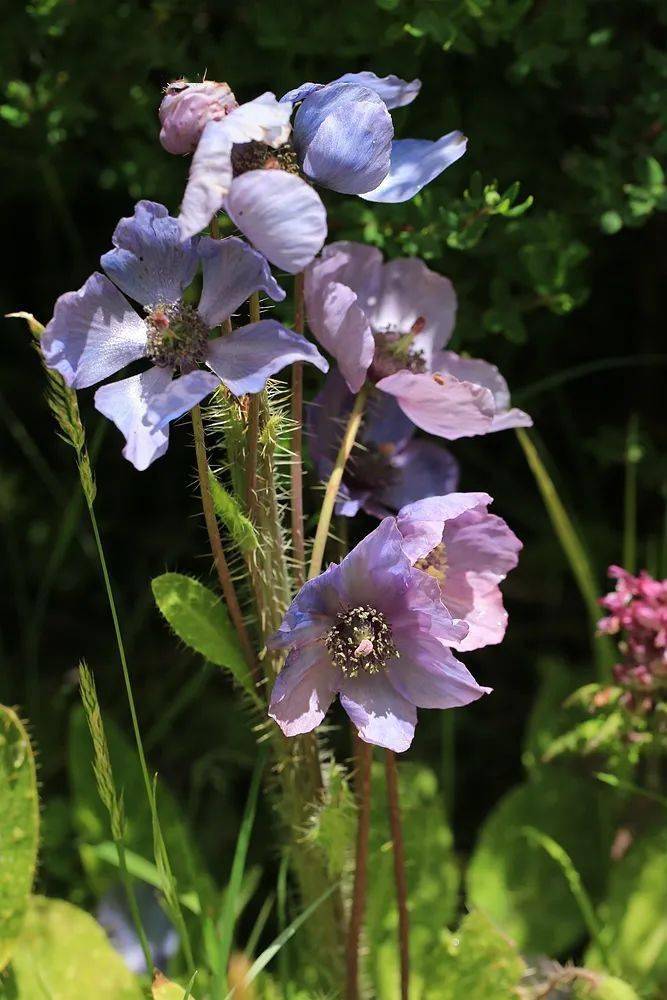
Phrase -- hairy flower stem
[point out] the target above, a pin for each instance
(224, 576)
(364, 755)
(399, 870)
(296, 468)
(253, 429)
(335, 479)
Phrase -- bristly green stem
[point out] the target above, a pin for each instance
(224, 575)
(364, 755)
(296, 467)
(333, 485)
(391, 771)
(252, 436)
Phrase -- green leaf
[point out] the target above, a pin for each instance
(200, 619)
(164, 989)
(481, 962)
(511, 880)
(548, 719)
(19, 828)
(91, 821)
(432, 873)
(606, 988)
(634, 913)
(63, 954)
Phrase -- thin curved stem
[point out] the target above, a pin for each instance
(364, 753)
(296, 467)
(224, 576)
(335, 479)
(399, 871)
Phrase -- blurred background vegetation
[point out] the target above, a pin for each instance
(551, 229)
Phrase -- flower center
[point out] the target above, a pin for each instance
(360, 639)
(177, 335)
(258, 156)
(435, 563)
(394, 352)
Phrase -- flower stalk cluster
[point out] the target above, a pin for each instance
(381, 629)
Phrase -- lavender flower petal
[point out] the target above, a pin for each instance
(482, 373)
(422, 469)
(421, 524)
(127, 404)
(94, 333)
(304, 690)
(381, 715)
(151, 263)
(232, 270)
(414, 298)
(343, 135)
(441, 404)
(429, 676)
(248, 357)
(281, 215)
(180, 395)
(395, 93)
(414, 164)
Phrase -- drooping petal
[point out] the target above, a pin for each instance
(481, 550)
(262, 120)
(304, 690)
(441, 404)
(342, 328)
(422, 524)
(395, 93)
(412, 298)
(209, 179)
(151, 263)
(281, 215)
(343, 136)
(94, 333)
(385, 424)
(299, 93)
(232, 270)
(421, 611)
(247, 358)
(128, 403)
(422, 469)
(381, 715)
(428, 675)
(180, 396)
(482, 373)
(414, 164)
(356, 265)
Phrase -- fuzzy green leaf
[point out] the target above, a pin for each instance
(64, 954)
(510, 879)
(481, 962)
(200, 619)
(19, 828)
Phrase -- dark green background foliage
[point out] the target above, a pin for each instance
(564, 103)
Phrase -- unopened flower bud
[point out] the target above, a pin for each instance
(187, 107)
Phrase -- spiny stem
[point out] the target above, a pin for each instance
(364, 754)
(253, 428)
(224, 576)
(399, 870)
(296, 469)
(333, 485)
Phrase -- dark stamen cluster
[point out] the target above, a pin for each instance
(394, 353)
(435, 563)
(360, 639)
(258, 156)
(177, 335)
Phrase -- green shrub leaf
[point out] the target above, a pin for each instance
(63, 954)
(200, 619)
(19, 828)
